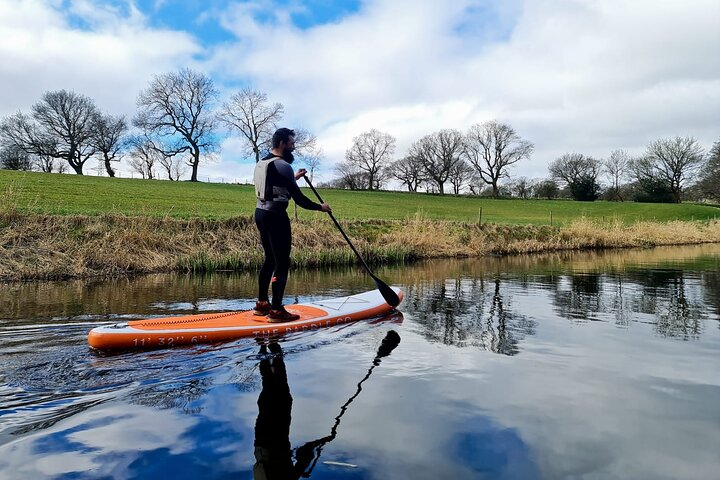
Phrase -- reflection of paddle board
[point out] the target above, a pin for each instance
(204, 328)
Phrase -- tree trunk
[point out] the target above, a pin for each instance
(77, 167)
(109, 169)
(195, 163)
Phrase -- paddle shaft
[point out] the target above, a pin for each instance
(362, 261)
(388, 293)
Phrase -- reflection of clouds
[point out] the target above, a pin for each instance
(582, 399)
(142, 428)
(580, 427)
(392, 430)
(592, 409)
(85, 443)
(603, 397)
(591, 404)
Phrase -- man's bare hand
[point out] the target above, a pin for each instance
(300, 173)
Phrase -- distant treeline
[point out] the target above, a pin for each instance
(477, 162)
(180, 121)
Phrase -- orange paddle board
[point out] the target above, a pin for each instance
(212, 327)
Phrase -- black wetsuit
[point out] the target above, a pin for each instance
(273, 223)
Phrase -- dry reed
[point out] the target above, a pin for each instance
(36, 246)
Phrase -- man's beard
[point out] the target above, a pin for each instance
(288, 156)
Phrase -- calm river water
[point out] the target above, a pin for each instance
(575, 365)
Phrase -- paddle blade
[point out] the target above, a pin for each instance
(391, 340)
(388, 293)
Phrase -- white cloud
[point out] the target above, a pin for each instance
(583, 76)
(111, 61)
(570, 75)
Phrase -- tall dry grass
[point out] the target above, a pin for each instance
(428, 238)
(36, 246)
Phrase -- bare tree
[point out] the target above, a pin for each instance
(109, 139)
(305, 142)
(670, 161)
(492, 147)
(249, 112)
(144, 155)
(350, 176)
(522, 187)
(475, 184)
(311, 156)
(173, 166)
(307, 150)
(61, 126)
(616, 168)
(579, 173)
(175, 111)
(14, 158)
(408, 171)
(21, 132)
(438, 153)
(461, 175)
(370, 153)
(313, 161)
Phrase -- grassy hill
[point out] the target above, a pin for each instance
(86, 195)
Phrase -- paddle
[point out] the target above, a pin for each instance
(391, 340)
(388, 293)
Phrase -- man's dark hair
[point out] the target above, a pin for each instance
(281, 135)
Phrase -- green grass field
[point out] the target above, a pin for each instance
(86, 195)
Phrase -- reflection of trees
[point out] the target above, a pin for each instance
(619, 301)
(582, 300)
(670, 299)
(711, 283)
(673, 298)
(469, 312)
(150, 294)
(616, 289)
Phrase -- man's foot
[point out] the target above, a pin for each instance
(281, 315)
(262, 308)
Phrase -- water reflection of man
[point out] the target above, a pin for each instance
(273, 452)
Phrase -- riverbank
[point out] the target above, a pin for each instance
(56, 194)
(49, 247)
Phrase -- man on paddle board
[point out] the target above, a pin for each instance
(275, 184)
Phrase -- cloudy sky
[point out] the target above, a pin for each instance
(586, 76)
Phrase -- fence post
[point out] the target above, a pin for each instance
(551, 218)
(480, 217)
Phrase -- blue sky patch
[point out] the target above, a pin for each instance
(202, 20)
(489, 21)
